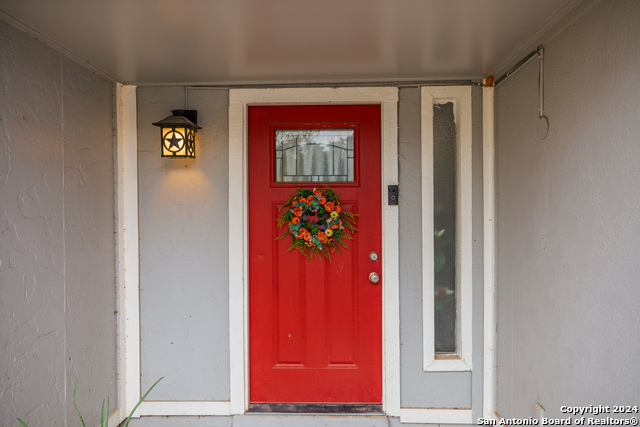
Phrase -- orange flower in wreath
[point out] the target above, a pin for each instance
(322, 237)
(295, 219)
(338, 209)
(297, 212)
(329, 206)
(306, 236)
(300, 234)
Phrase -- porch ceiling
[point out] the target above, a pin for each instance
(288, 41)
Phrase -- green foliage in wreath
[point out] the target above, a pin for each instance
(316, 223)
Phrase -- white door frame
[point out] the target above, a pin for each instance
(239, 100)
(489, 253)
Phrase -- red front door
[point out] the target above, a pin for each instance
(315, 327)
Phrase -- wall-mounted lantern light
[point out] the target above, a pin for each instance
(177, 133)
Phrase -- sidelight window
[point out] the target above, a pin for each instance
(446, 228)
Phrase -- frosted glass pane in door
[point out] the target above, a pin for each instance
(314, 155)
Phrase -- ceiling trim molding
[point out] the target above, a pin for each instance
(322, 84)
(12, 20)
(564, 17)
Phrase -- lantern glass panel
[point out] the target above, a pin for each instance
(178, 142)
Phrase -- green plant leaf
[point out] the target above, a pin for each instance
(335, 247)
(448, 241)
(339, 240)
(283, 235)
(23, 423)
(74, 402)
(439, 261)
(104, 420)
(140, 401)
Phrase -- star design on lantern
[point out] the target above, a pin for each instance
(176, 140)
(177, 134)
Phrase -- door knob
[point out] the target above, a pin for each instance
(374, 278)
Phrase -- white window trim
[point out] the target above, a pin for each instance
(461, 97)
(239, 100)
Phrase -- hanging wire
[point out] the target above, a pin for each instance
(540, 51)
(543, 123)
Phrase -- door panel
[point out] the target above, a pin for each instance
(315, 327)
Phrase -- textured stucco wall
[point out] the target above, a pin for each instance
(57, 248)
(184, 279)
(568, 223)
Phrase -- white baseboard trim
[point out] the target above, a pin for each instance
(436, 416)
(115, 418)
(184, 408)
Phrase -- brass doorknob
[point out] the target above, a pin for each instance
(374, 278)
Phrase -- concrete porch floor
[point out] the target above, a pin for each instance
(272, 420)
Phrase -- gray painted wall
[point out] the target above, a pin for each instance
(568, 224)
(421, 389)
(57, 246)
(184, 277)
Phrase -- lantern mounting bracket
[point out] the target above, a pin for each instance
(192, 115)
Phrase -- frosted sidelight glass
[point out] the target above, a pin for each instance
(444, 202)
(314, 155)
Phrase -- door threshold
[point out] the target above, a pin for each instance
(315, 408)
